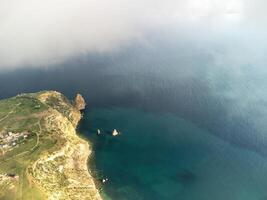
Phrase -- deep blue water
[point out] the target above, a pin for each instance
(193, 127)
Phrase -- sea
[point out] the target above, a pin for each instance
(192, 119)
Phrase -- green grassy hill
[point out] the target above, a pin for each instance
(49, 119)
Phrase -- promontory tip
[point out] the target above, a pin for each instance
(79, 102)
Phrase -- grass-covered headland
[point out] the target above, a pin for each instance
(41, 157)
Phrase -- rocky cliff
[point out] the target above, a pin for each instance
(79, 102)
(52, 163)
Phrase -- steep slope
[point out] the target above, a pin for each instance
(41, 156)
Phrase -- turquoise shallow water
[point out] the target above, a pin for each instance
(161, 156)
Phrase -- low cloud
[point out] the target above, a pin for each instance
(45, 32)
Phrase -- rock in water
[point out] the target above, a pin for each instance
(79, 102)
(115, 132)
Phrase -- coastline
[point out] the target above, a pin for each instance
(52, 163)
(76, 152)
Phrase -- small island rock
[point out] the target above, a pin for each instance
(79, 102)
(115, 132)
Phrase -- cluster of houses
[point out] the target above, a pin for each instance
(9, 139)
(7, 176)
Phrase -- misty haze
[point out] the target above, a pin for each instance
(175, 95)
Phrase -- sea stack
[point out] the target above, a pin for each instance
(79, 102)
(115, 132)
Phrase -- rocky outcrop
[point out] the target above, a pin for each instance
(53, 162)
(60, 103)
(79, 102)
(63, 173)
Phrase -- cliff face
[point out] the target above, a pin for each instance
(79, 102)
(59, 102)
(57, 163)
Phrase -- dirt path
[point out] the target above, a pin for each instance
(38, 135)
(10, 112)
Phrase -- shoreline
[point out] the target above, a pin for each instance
(52, 163)
(77, 152)
(68, 160)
